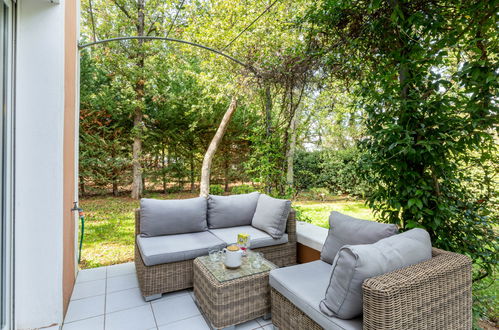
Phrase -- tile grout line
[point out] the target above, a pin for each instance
(98, 295)
(135, 287)
(88, 281)
(157, 301)
(187, 318)
(83, 319)
(125, 309)
(154, 315)
(105, 293)
(190, 317)
(133, 307)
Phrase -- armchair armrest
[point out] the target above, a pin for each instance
(435, 294)
(291, 226)
(137, 221)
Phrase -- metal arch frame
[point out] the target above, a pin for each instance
(82, 46)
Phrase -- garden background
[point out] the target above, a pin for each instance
(384, 110)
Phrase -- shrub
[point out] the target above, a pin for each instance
(173, 189)
(300, 214)
(216, 189)
(341, 172)
(242, 189)
(307, 169)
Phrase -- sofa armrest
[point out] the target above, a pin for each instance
(137, 221)
(291, 226)
(435, 294)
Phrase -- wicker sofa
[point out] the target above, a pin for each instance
(172, 276)
(434, 294)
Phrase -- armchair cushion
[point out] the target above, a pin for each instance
(168, 217)
(346, 230)
(304, 286)
(271, 215)
(231, 211)
(355, 263)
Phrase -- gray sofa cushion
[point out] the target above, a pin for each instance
(346, 230)
(258, 238)
(231, 211)
(356, 263)
(168, 217)
(170, 248)
(304, 285)
(271, 215)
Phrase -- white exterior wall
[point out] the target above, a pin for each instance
(39, 164)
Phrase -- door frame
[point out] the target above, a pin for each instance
(70, 148)
(7, 164)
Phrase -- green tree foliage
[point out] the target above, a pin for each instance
(175, 95)
(427, 81)
(103, 150)
(340, 171)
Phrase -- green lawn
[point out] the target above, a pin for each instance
(318, 212)
(109, 224)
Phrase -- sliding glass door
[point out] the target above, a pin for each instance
(6, 162)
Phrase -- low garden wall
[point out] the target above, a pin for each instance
(310, 239)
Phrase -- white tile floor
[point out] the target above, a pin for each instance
(108, 298)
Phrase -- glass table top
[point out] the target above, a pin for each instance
(223, 274)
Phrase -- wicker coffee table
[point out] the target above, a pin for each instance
(229, 297)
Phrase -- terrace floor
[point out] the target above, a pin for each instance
(108, 298)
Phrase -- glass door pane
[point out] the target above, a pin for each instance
(6, 162)
(3, 249)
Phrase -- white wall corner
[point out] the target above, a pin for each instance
(39, 159)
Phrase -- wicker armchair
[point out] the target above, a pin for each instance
(158, 279)
(435, 294)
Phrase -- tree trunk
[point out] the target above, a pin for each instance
(192, 174)
(290, 136)
(226, 174)
(82, 186)
(163, 169)
(212, 148)
(291, 151)
(115, 188)
(268, 124)
(268, 110)
(180, 178)
(137, 185)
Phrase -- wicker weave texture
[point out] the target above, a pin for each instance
(231, 302)
(281, 255)
(163, 278)
(179, 275)
(435, 294)
(287, 316)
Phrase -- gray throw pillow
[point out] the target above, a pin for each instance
(231, 211)
(356, 263)
(167, 217)
(346, 230)
(271, 215)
